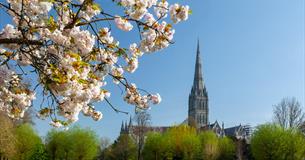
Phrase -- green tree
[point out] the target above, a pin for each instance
(209, 143)
(226, 149)
(272, 142)
(39, 153)
(57, 144)
(84, 142)
(124, 148)
(26, 141)
(184, 142)
(179, 142)
(73, 144)
(154, 147)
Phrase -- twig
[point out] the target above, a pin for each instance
(114, 108)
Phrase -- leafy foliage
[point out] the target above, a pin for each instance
(27, 141)
(276, 143)
(124, 148)
(226, 149)
(210, 148)
(182, 142)
(39, 153)
(154, 147)
(76, 143)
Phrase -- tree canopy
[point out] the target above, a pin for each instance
(124, 148)
(276, 143)
(75, 143)
(27, 141)
(183, 142)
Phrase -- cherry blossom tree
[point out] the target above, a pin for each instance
(69, 46)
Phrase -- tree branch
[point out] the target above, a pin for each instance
(19, 41)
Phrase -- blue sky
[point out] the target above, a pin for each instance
(253, 56)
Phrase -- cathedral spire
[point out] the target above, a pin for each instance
(198, 98)
(198, 85)
(130, 122)
(122, 128)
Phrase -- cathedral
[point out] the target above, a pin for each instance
(198, 110)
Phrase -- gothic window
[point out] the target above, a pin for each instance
(197, 119)
(199, 103)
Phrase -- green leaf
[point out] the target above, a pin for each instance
(56, 79)
(82, 81)
(96, 6)
(121, 51)
(52, 24)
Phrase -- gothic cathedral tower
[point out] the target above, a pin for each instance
(198, 99)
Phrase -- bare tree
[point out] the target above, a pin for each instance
(104, 144)
(288, 113)
(142, 120)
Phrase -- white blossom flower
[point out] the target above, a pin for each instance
(123, 24)
(83, 40)
(21, 97)
(73, 57)
(132, 65)
(89, 12)
(97, 115)
(179, 13)
(134, 50)
(156, 99)
(56, 124)
(161, 9)
(46, 6)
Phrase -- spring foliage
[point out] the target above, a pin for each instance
(276, 143)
